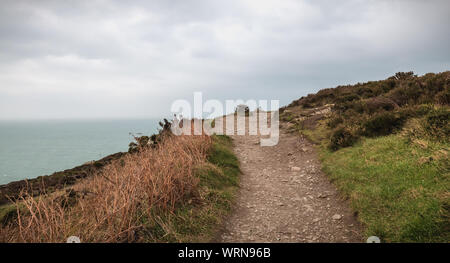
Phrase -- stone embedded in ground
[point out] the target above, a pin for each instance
(308, 208)
(295, 169)
(336, 217)
(323, 195)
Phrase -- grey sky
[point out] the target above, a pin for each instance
(113, 59)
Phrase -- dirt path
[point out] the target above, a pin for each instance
(284, 196)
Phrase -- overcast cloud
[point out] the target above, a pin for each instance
(111, 59)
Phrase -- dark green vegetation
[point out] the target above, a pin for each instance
(7, 214)
(199, 219)
(380, 108)
(385, 145)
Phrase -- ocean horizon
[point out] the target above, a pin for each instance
(32, 148)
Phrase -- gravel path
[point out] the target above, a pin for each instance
(284, 196)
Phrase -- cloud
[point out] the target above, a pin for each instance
(113, 59)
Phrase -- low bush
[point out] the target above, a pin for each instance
(347, 97)
(416, 111)
(437, 124)
(379, 104)
(443, 97)
(404, 75)
(335, 121)
(143, 142)
(356, 106)
(341, 137)
(383, 123)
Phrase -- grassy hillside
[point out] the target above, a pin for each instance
(385, 145)
(176, 190)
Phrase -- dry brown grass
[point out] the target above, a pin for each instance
(116, 204)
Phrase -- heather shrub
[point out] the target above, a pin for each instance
(416, 111)
(142, 142)
(342, 107)
(401, 95)
(379, 104)
(347, 97)
(335, 121)
(443, 97)
(404, 88)
(341, 137)
(383, 123)
(437, 124)
(404, 75)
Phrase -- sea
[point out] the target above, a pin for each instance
(29, 149)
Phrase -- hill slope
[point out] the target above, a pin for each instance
(385, 145)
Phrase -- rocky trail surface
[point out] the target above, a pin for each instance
(285, 197)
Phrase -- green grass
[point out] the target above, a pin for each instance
(398, 196)
(319, 135)
(287, 116)
(200, 219)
